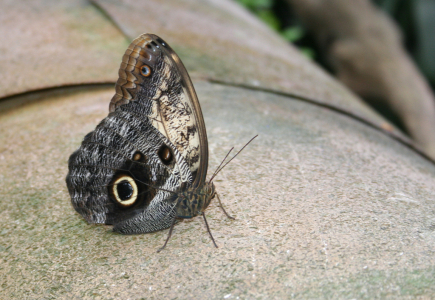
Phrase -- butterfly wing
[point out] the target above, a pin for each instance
(152, 142)
(176, 112)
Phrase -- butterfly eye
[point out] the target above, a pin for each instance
(145, 70)
(165, 155)
(125, 190)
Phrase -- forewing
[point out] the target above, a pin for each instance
(166, 95)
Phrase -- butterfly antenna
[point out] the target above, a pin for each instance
(223, 160)
(220, 168)
(159, 188)
(155, 187)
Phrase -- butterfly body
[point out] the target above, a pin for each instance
(193, 202)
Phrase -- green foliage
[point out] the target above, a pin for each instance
(293, 34)
(255, 4)
(264, 10)
(269, 18)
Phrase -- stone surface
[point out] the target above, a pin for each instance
(325, 206)
(72, 42)
(52, 43)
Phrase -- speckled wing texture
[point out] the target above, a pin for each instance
(152, 142)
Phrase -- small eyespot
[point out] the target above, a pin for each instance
(165, 155)
(125, 190)
(145, 70)
(138, 156)
(161, 42)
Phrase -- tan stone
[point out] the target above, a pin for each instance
(325, 205)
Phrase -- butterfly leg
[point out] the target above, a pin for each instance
(220, 203)
(169, 236)
(208, 229)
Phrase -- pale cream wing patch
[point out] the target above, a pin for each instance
(172, 114)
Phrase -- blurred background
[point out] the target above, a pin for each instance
(416, 19)
(383, 50)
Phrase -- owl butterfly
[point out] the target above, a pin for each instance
(145, 165)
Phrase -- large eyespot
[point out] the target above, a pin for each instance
(165, 155)
(125, 190)
(145, 70)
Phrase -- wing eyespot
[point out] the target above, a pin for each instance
(165, 155)
(145, 71)
(124, 190)
(139, 157)
(161, 42)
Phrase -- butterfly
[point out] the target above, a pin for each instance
(145, 165)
